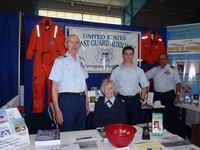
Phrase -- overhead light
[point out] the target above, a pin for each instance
(108, 8)
(72, 3)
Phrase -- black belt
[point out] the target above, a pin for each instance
(171, 91)
(69, 93)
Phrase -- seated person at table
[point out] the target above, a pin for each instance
(109, 108)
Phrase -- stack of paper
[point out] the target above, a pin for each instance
(148, 145)
(47, 137)
(13, 131)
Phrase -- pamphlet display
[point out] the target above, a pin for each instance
(157, 124)
(13, 130)
(196, 100)
(48, 137)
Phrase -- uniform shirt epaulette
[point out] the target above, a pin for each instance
(63, 56)
(173, 67)
(114, 67)
(81, 58)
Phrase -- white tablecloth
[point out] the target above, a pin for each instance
(103, 144)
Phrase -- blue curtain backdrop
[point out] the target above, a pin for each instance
(9, 38)
(94, 79)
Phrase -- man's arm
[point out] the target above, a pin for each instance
(144, 92)
(177, 81)
(86, 98)
(58, 113)
(150, 74)
(178, 91)
(144, 85)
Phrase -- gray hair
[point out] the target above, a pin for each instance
(105, 83)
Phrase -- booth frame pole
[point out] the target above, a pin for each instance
(139, 49)
(19, 53)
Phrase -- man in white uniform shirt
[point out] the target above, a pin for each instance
(68, 77)
(132, 85)
(166, 81)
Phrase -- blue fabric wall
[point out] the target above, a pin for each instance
(94, 79)
(9, 38)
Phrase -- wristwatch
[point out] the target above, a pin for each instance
(142, 99)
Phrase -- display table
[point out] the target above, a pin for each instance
(192, 115)
(103, 144)
(149, 108)
(188, 107)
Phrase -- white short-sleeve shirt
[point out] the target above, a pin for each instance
(69, 73)
(165, 79)
(129, 80)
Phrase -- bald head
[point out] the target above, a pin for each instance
(73, 36)
(163, 59)
(72, 44)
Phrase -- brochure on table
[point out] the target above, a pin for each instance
(13, 130)
(48, 137)
(157, 124)
(154, 103)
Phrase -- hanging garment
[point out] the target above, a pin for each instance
(46, 43)
(151, 48)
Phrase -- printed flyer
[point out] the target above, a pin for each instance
(13, 130)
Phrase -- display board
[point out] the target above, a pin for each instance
(183, 45)
(102, 48)
(95, 79)
(183, 38)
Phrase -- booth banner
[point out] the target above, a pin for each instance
(102, 48)
(183, 38)
(184, 53)
(188, 66)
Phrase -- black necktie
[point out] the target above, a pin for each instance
(109, 103)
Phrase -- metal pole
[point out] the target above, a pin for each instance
(19, 48)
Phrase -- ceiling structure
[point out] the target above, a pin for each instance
(160, 13)
(135, 11)
(120, 8)
(106, 3)
(130, 7)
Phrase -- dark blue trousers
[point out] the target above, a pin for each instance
(73, 108)
(133, 109)
(170, 113)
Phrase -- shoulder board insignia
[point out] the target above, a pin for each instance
(173, 67)
(63, 56)
(81, 58)
(114, 67)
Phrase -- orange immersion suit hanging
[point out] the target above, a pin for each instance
(46, 43)
(151, 48)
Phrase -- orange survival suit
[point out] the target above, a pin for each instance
(46, 43)
(152, 46)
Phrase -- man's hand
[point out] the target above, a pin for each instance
(177, 99)
(59, 116)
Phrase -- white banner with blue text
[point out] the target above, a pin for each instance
(102, 48)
